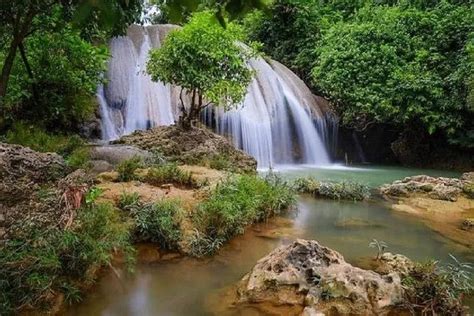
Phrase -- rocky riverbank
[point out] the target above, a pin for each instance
(306, 278)
(446, 205)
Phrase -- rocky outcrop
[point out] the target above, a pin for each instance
(316, 279)
(36, 190)
(23, 169)
(194, 146)
(448, 189)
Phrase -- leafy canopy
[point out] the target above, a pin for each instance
(205, 58)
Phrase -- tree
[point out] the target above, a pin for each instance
(206, 61)
(21, 18)
(401, 66)
(179, 11)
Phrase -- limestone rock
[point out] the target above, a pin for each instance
(22, 169)
(194, 146)
(115, 154)
(468, 176)
(309, 275)
(440, 188)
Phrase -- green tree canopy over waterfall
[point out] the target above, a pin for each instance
(206, 61)
(403, 63)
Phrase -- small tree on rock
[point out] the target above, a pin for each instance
(207, 62)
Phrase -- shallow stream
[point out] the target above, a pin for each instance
(181, 286)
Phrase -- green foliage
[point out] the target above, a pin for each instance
(37, 139)
(380, 245)
(79, 158)
(235, 204)
(433, 289)
(218, 75)
(156, 222)
(400, 63)
(169, 173)
(179, 11)
(343, 190)
(57, 260)
(126, 169)
(400, 66)
(220, 162)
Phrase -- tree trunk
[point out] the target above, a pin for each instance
(7, 66)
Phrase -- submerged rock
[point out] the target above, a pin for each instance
(194, 146)
(316, 279)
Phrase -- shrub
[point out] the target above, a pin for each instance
(126, 169)
(79, 158)
(169, 173)
(37, 139)
(344, 190)
(220, 162)
(56, 260)
(434, 290)
(233, 205)
(155, 222)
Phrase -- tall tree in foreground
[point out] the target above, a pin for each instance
(206, 61)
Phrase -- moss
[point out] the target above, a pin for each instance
(343, 190)
(468, 189)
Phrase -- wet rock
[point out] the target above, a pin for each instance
(194, 146)
(312, 276)
(115, 154)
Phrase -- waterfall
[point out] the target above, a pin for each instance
(279, 121)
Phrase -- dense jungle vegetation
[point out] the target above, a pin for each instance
(407, 66)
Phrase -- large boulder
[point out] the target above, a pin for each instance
(316, 279)
(23, 169)
(193, 146)
(438, 188)
(115, 154)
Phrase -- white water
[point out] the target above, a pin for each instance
(279, 122)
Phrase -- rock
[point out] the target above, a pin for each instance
(448, 189)
(444, 192)
(193, 146)
(23, 169)
(468, 176)
(99, 166)
(468, 224)
(115, 154)
(308, 275)
(389, 263)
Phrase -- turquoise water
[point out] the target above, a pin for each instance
(370, 175)
(183, 286)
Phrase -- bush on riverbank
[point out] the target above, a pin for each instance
(44, 263)
(344, 190)
(435, 290)
(169, 173)
(233, 205)
(157, 222)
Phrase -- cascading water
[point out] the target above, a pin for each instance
(279, 122)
